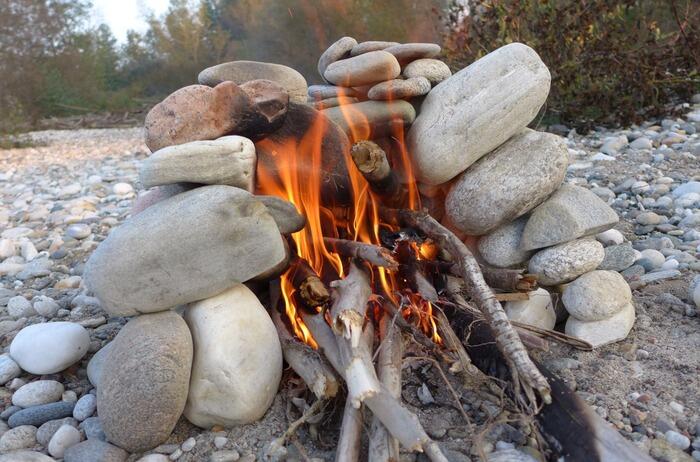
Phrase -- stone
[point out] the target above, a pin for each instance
(321, 92)
(238, 360)
(618, 257)
(144, 382)
(399, 89)
(25, 456)
(648, 218)
(285, 214)
(269, 103)
(47, 429)
(94, 450)
(372, 45)
(501, 247)
(565, 262)
(85, 407)
(664, 451)
(188, 444)
(45, 306)
(614, 144)
(407, 52)
(372, 119)
(610, 237)
(93, 429)
(122, 189)
(677, 440)
(157, 194)
(641, 143)
(20, 307)
(537, 311)
(38, 392)
(651, 259)
(78, 231)
(48, 348)
(7, 248)
(18, 438)
(605, 331)
(337, 51)
(476, 110)
(694, 292)
(432, 69)
(38, 415)
(229, 160)
(9, 369)
(508, 182)
(301, 128)
(241, 72)
(365, 69)
(597, 295)
(571, 212)
(242, 241)
(64, 438)
(96, 364)
(154, 458)
(687, 188)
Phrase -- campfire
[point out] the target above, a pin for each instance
(379, 253)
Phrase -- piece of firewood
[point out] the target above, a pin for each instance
(306, 362)
(523, 371)
(309, 286)
(509, 280)
(372, 162)
(373, 254)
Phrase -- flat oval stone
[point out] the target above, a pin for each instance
(476, 110)
(318, 92)
(565, 262)
(400, 89)
(605, 331)
(240, 72)
(18, 438)
(364, 69)
(229, 160)
(501, 247)
(372, 119)
(37, 392)
(94, 450)
(508, 182)
(38, 415)
(432, 69)
(596, 295)
(407, 52)
(185, 248)
(47, 429)
(50, 347)
(338, 50)
(371, 45)
(144, 383)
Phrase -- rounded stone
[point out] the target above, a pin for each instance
(618, 257)
(694, 291)
(285, 214)
(48, 348)
(47, 429)
(407, 52)
(144, 383)
(538, 311)
(372, 119)
(25, 456)
(94, 450)
(93, 429)
(38, 392)
(21, 437)
(371, 45)
(648, 218)
(597, 295)
(610, 237)
(432, 69)
(399, 89)
(38, 415)
(565, 262)
(65, 437)
(338, 50)
(85, 407)
(45, 306)
(655, 258)
(605, 331)
(96, 365)
(9, 369)
(238, 359)
(364, 69)
(20, 307)
(501, 247)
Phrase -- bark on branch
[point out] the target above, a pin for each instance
(373, 254)
(372, 162)
(312, 291)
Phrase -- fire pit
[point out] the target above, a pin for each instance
(400, 203)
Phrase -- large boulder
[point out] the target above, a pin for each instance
(229, 160)
(508, 182)
(568, 214)
(185, 248)
(237, 359)
(476, 110)
(143, 388)
(565, 262)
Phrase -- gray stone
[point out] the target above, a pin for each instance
(144, 383)
(399, 89)
(337, 51)
(96, 365)
(157, 194)
(605, 331)
(365, 69)
(596, 295)
(37, 415)
(321, 92)
(618, 257)
(432, 69)
(38, 392)
(166, 264)
(45, 306)
(381, 116)
(20, 307)
(240, 72)
(25, 456)
(565, 262)
(18, 438)
(78, 231)
(285, 214)
(677, 440)
(641, 143)
(229, 160)
(93, 429)
(372, 45)
(94, 450)
(65, 437)
(569, 213)
(85, 407)
(407, 52)
(47, 429)
(9, 369)
(49, 347)
(476, 110)
(508, 182)
(686, 188)
(501, 247)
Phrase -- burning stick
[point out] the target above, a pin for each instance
(306, 362)
(311, 289)
(382, 446)
(523, 370)
(373, 254)
(372, 162)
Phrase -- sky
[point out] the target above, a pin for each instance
(123, 15)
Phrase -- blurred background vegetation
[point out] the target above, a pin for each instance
(612, 61)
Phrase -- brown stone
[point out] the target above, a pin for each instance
(269, 102)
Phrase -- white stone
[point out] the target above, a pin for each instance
(122, 189)
(7, 248)
(237, 363)
(599, 333)
(670, 264)
(20, 307)
(610, 237)
(641, 143)
(27, 250)
(654, 256)
(48, 348)
(613, 144)
(65, 437)
(477, 109)
(596, 295)
(45, 306)
(537, 311)
(154, 458)
(38, 392)
(565, 262)
(9, 369)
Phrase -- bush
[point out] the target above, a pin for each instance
(612, 61)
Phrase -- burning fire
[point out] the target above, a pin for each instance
(360, 221)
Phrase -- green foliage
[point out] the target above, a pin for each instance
(611, 61)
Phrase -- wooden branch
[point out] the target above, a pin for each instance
(463, 365)
(509, 280)
(373, 254)
(372, 162)
(306, 362)
(523, 370)
(309, 286)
